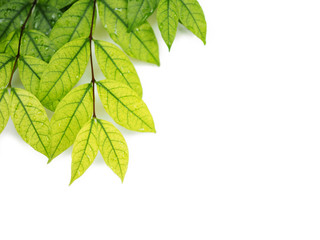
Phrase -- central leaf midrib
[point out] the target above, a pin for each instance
(100, 46)
(64, 70)
(15, 93)
(100, 84)
(87, 143)
(113, 148)
(73, 114)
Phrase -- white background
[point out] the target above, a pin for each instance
(237, 149)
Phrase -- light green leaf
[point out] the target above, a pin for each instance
(72, 113)
(113, 148)
(139, 11)
(84, 151)
(4, 108)
(140, 43)
(37, 44)
(57, 3)
(64, 71)
(30, 71)
(115, 65)
(125, 106)
(12, 16)
(74, 23)
(168, 20)
(192, 17)
(10, 44)
(30, 119)
(6, 67)
(44, 18)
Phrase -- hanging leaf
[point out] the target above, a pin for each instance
(57, 3)
(71, 114)
(168, 20)
(10, 44)
(64, 71)
(37, 44)
(113, 148)
(6, 67)
(139, 11)
(44, 18)
(125, 106)
(74, 23)
(30, 71)
(4, 108)
(192, 17)
(140, 43)
(115, 65)
(30, 120)
(12, 16)
(85, 150)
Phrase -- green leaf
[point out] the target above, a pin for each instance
(115, 65)
(30, 71)
(140, 43)
(168, 20)
(4, 108)
(6, 67)
(192, 17)
(57, 3)
(74, 23)
(64, 71)
(37, 44)
(72, 113)
(12, 16)
(44, 18)
(84, 151)
(10, 44)
(2, 2)
(30, 119)
(125, 106)
(139, 11)
(113, 148)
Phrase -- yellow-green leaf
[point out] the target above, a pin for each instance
(139, 11)
(168, 20)
(6, 67)
(74, 23)
(30, 71)
(37, 44)
(125, 106)
(12, 15)
(64, 71)
(4, 108)
(10, 44)
(85, 150)
(140, 43)
(30, 119)
(71, 114)
(115, 65)
(113, 148)
(192, 17)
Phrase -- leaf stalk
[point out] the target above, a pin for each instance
(93, 80)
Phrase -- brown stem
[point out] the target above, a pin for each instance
(93, 80)
(20, 39)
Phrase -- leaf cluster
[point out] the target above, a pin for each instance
(51, 43)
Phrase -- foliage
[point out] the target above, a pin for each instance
(51, 43)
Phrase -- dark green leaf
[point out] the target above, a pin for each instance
(12, 16)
